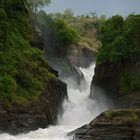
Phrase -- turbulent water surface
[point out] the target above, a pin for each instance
(78, 111)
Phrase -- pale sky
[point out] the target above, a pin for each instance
(107, 7)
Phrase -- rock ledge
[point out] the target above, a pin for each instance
(111, 125)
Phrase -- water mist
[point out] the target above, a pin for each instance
(78, 110)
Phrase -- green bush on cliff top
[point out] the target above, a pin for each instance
(121, 48)
(120, 40)
(59, 35)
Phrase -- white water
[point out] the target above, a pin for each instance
(78, 111)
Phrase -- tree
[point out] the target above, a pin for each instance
(120, 40)
(111, 29)
(65, 34)
(38, 4)
(93, 14)
(68, 13)
(7, 86)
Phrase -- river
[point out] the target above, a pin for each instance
(79, 110)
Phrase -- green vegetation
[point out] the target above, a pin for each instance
(121, 48)
(8, 87)
(36, 5)
(23, 70)
(130, 82)
(125, 116)
(60, 36)
(120, 40)
(84, 25)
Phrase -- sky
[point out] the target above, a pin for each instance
(107, 7)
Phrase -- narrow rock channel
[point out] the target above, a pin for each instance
(79, 109)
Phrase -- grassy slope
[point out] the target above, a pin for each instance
(85, 27)
(23, 70)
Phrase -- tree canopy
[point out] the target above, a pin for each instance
(120, 39)
(38, 4)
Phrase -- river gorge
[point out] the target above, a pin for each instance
(78, 110)
(68, 77)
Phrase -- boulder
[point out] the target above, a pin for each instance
(111, 125)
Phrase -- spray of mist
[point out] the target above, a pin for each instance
(78, 110)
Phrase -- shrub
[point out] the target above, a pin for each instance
(120, 40)
(23, 70)
(7, 88)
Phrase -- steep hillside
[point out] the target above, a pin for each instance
(118, 61)
(30, 92)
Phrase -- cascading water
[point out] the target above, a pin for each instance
(78, 111)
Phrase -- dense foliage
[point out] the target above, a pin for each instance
(120, 39)
(64, 34)
(36, 5)
(84, 26)
(121, 51)
(23, 70)
(58, 34)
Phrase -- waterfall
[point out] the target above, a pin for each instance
(78, 110)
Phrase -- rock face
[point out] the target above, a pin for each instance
(78, 56)
(24, 118)
(121, 83)
(111, 125)
(81, 55)
(65, 59)
(67, 70)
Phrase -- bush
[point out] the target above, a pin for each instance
(65, 35)
(7, 88)
(120, 40)
(23, 70)
(59, 36)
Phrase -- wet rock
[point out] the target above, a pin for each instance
(81, 55)
(111, 125)
(119, 82)
(40, 114)
(66, 69)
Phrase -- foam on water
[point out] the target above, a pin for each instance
(78, 111)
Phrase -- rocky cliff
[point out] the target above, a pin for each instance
(40, 114)
(111, 125)
(81, 55)
(119, 82)
(78, 56)
(117, 69)
(65, 58)
(30, 92)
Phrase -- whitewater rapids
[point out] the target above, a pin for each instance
(78, 111)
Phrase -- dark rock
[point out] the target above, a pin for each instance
(42, 113)
(111, 125)
(81, 55)
(67, 66)
(66, 69)
(119, 82)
